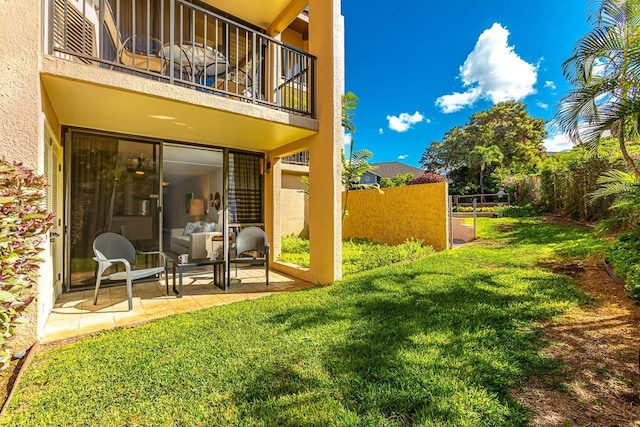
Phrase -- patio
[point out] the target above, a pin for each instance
(74, 314)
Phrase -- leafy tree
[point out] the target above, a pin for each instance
(485, 156)
(506, 125)
(604, 71)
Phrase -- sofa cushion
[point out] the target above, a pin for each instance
(190, 228)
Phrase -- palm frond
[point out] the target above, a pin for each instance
(349, 103)
(624, 186)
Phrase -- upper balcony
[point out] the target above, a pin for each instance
(188, 44)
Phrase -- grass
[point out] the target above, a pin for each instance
(357, 254)
(435, 342)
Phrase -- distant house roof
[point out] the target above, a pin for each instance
(392, 169)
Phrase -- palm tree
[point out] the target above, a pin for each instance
(485, 156)
(355, 168)
(358, 162)
(605, 72)
(622, 186)
(349, 103)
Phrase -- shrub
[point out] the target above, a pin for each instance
(23, 221)
(477, 209)
(427, 178)
(624, 255)
(523, 211)
(295, 245)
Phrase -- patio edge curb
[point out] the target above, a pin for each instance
(25, 364)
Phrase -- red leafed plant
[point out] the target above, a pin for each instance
(23, 222)
(427, 178)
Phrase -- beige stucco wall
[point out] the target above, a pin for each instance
(21, 126)
(295, 202)
(24, 108)
(398, 214)
(292, 181)
(295, 211)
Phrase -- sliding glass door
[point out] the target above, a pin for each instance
(245, 183)
(113, 185)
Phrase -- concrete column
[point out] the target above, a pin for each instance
(21, 127)
(326, 42)
(273, 211)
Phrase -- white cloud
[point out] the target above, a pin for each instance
(347, 139)
(457, 101)
(542, 105)
(492, 71)
(550, 84)
(380, 131)
(402, 156)
(558, 142)
(404, 122)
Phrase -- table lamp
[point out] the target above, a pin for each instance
(196, 209)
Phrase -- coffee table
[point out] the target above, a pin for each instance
(218, 272)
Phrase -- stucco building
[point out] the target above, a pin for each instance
(131, 108)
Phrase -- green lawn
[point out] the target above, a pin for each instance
(357, 254)
(434, 342)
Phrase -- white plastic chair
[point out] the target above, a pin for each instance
(112, 248)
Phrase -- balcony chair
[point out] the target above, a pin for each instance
(236, 82)
(251, 247)
(112, 248)
(139, 51)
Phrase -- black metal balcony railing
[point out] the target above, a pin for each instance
(184, 44)
(301, 158)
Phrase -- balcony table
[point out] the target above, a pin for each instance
(197, 59)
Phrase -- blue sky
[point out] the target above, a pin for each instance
(421, 68)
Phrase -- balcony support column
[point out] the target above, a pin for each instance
(326, 42)
(273, 211)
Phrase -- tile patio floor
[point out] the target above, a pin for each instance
(74, 314)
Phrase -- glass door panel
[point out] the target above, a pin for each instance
(114, 185)
(246, 201)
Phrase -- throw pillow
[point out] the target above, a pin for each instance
(189, 228)
(210, 226)
(198, 229)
